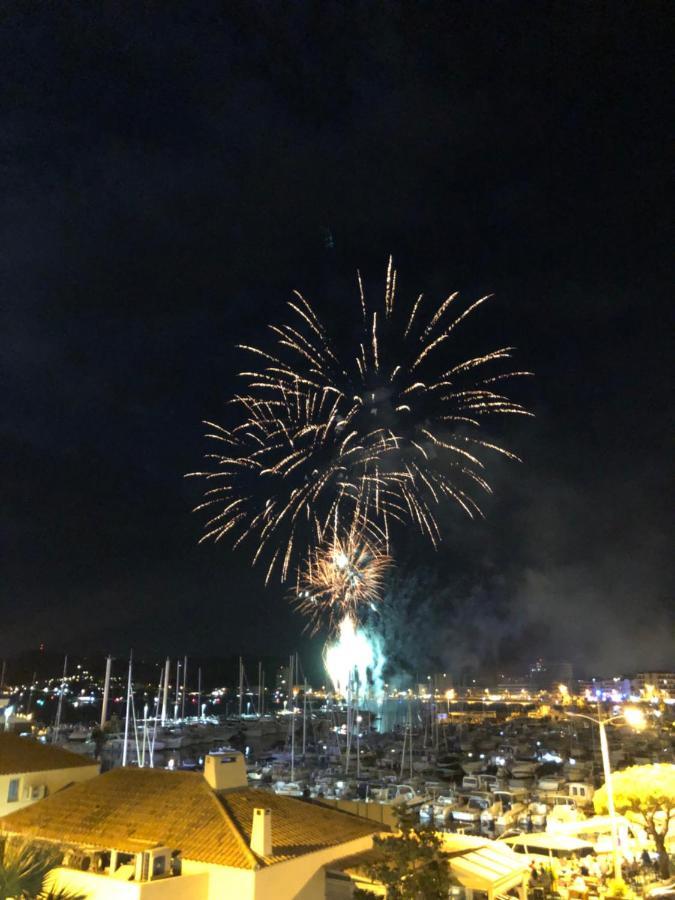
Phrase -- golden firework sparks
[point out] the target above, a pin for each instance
(341, 578)
(377, 433)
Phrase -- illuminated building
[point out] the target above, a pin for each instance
(30, 771)
(656, 683)
(151, 833)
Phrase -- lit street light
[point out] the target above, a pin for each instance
(635, 718)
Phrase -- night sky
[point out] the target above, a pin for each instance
(171, 172)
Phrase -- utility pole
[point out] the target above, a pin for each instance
(634, 718)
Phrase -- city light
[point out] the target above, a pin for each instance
(634, 717)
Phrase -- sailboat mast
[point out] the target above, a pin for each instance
(106, 691)
(144, 736)
(411, 739)
(349, 722)
(154, 724)
(128, 710)
(304, 718)
(358, 729)
(30, 694)
(292, 702)
(182, 709)
(177, 698)
(199, 692)
(59, 708)
(165, 696)
(260, 688)
(241, 687)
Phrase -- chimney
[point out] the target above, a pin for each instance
(225, 771)
(261, 832)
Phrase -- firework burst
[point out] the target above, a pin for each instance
(328, 442)
(341, 578)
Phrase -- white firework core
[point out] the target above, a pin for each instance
(354, 660)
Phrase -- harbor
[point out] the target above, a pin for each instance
(521, 769)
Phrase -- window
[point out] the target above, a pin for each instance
(13, 792)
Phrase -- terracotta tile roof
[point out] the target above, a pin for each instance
(297, 826)
(18, 755)
(130, 809)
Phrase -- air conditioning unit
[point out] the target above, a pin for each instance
(153, 864)
(34, 791)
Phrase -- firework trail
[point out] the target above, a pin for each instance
(344, 446)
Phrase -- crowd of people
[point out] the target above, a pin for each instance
(577, 879)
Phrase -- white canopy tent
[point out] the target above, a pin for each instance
(485, 865)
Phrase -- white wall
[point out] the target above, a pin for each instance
(102, 887)
(304, 878)
(229, 883)
(297, 879)
(53, 779)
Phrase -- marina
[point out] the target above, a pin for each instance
(495, 767)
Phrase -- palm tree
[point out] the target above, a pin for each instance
(24, 868)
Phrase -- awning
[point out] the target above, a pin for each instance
(484, 865)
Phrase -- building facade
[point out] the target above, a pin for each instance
(30, 771)
(151, 833)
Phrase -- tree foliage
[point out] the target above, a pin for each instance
(645, 794)
(24, 868)
(411, 864)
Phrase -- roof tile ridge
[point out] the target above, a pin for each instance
(226, 813)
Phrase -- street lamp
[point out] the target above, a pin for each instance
(635, 718)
